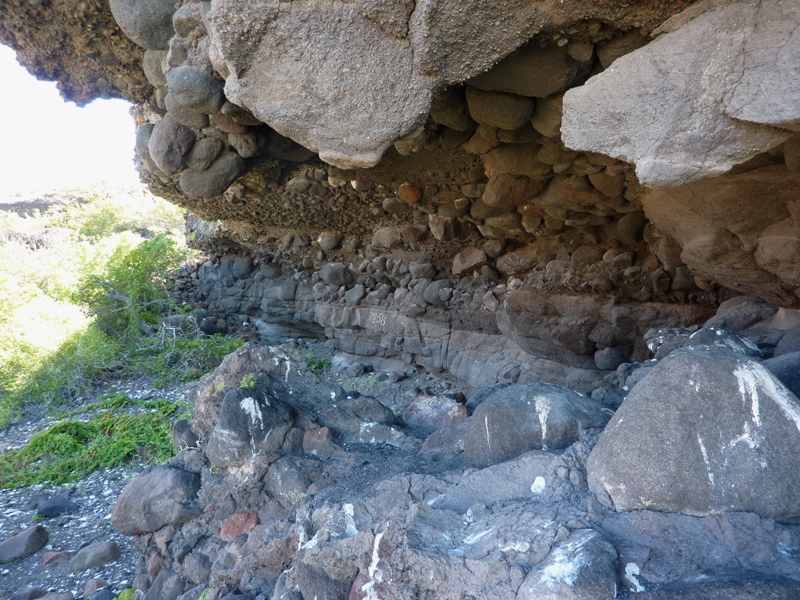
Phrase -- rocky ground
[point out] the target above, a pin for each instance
(89, 501)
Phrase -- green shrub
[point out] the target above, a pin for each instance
(249, 381)
(182, 358)
(72, 449)
(129, 293)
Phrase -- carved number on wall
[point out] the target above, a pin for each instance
(377, 319)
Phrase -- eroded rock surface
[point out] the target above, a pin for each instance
(705, 96)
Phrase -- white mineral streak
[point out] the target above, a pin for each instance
(705, 459)
(754, 376)
(631, 571)
(567, 561)
(543, 406)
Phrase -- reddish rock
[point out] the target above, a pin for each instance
(51, 557)
(608, 185)
(30, 593)
(478, 144)
(318, 442)
(237, 524)
(154, 564)
(413, 234)
(650, 263)
(92, 586)
(469, 259)
(508, 191)
(23, 544)
(409, 192)
(527, 257)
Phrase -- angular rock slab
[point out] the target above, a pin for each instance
(697, 100)
(582, 567)
(157, 497)
(25, 543)
(528, 416)
(706, 431)
(341, 103)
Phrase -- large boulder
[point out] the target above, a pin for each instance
(351, 119)
(147, 23)
(157, 497)
(707, 430)
(249, 422)
(711, 93)
(528, 416)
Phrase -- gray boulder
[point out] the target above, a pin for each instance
(499, 109)
(789, 342)
(94, 555)
(537, 72)
(249, 423)
(204, 153)
(726, 95)
(215, 179)
(185, 115)
(528, 416)
(786, 369)
(157, 497)
(168, 143)
(723, 338)
(582, 567)
(349, 414)
(707, 430)
(195, 90)
(336, 274)
(288, 479)
(25, 543)
(147, 23)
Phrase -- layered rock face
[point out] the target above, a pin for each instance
(534, 200)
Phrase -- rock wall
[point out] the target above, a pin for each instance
(407, 312)
(531, 196)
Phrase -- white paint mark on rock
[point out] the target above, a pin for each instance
(631, 572)
(477, 537)
(349, 522)
(748, 387)
(705, 459)
(772, 389)
(538, 485)
(516, 547)
(543, 406)
(253, 412)
(567, 560)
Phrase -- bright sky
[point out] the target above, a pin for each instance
(48, 144)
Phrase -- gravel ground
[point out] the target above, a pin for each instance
(91, 522)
